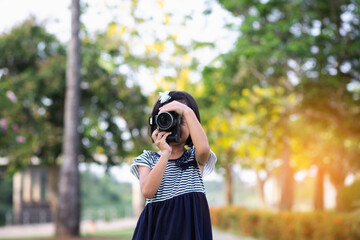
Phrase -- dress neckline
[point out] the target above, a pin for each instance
(175, 159)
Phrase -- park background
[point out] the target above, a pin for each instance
(277, 83)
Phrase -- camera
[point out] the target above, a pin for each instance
(168, 122)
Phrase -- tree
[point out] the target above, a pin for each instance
(312, 53)
(69, 207)
(32, 97)
(32, 88)
(243, 118)
(32, 59)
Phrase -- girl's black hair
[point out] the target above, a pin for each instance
(181, 97)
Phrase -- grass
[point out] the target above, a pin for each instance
(125, 234)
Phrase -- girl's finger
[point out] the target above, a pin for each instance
(166, 135)
(155, 134)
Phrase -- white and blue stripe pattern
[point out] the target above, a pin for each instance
(175, 181)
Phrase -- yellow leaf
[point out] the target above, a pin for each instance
(121, 31)
(243, 102)
(245, 92)
(199, 90)
(224, 127)
(233, 104)
(126, 54)
(184, 73)
(250, 117)
(212, 125)
(86, 39)
(277, 110)
(174, 36)
(186, 59)
(262, 110)
(111, 30)
(147, 48)
(167, 19)
(257, 90)
(99, 149)
(159, 47)
(134, 3)
(161, 3)
(292, 98)
(183, 79)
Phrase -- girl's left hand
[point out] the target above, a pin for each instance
(176, 106)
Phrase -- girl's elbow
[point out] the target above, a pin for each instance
(203, 152)
(203, 155)
(147, 193)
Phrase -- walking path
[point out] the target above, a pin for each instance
(48, 229)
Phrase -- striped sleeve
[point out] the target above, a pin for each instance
(210, 164)
(141, 160)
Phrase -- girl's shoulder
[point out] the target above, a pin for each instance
(148, 155)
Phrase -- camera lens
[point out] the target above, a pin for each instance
(164, 121)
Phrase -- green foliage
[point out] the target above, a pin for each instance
(32, 85)
(102, 191)
(303, 53)
(32, 88)
(350, 196)
(125, 234)
(286, 225)
(104, 194)
(5, 196)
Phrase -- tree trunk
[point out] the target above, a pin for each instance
(338, 180)
(319, 189)
(287, 179)
(260, 183)
(68, 216)
(229, 184)
(339, 204)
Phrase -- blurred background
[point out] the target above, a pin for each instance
(277, 84)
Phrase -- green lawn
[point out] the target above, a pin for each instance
(124, 234)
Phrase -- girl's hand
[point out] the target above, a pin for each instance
(176, 106)
(159, 138)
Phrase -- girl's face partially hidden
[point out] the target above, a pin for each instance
(184, 131)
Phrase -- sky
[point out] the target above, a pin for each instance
(55, 16)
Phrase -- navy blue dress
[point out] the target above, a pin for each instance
(179, 209)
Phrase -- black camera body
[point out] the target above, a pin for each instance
(168, 122)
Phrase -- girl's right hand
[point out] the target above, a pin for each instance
(159, 138)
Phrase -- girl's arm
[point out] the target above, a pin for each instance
(150, 180)
(197, 133)
(198, 136)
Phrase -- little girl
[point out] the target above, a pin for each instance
(172, 179)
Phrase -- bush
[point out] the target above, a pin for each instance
(287, 225)
(5, 196)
